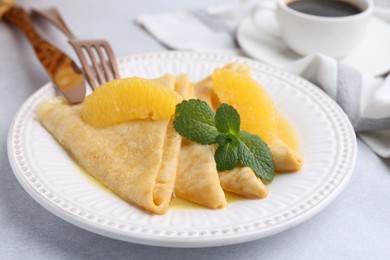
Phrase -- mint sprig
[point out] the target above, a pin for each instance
(195, 120)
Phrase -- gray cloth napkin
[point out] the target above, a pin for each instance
(364, 98)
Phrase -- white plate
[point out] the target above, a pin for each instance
(328, 143)
(371, 56)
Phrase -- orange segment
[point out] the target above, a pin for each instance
(234, 85)
(128, 99)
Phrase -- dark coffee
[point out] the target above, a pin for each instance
(328, 8)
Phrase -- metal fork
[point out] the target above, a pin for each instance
(60, 68)
(96, 56)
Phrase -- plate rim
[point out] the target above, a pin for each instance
(207, 241)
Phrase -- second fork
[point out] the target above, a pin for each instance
(96, 56)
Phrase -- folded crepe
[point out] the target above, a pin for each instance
(285, 158)
(137, 160)
(240, 180)
(197, 177)
(244, 182)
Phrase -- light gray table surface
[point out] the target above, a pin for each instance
(355, 226)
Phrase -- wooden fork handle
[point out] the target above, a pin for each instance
(56, 63)
(44, 50)
(54, 17)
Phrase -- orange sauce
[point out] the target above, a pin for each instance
(92, 180)
(287, 133)
(181, 204)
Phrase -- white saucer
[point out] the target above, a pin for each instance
(372, 56)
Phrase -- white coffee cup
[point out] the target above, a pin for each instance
(307, 34)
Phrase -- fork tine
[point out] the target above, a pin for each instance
(94, 72)
(106, 69)
(89, 74)
(111, 58)
(96, 66)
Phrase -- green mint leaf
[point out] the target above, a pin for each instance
(254, 153)
(224, 138)
(226, 156)
(194, 120)
(227, 119)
